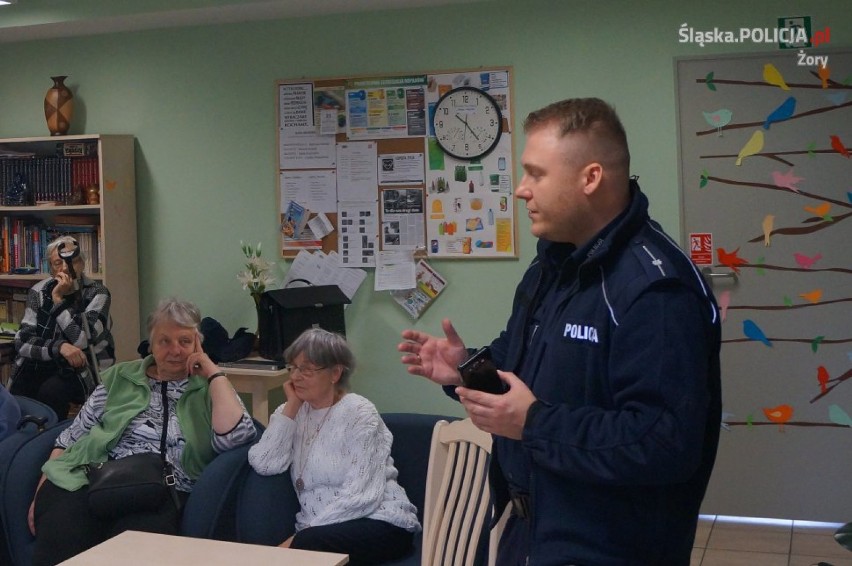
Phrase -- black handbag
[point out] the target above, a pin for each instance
(135, 484)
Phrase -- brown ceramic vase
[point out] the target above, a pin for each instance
(58, 107)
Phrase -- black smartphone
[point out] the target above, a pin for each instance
(479, 372)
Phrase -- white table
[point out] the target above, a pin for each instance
(134, 548)
(258, 383)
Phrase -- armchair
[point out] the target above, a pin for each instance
(267, 506)
(21, 465)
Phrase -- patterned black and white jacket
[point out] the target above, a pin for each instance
(46, 326)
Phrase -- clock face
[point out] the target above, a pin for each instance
(467, 123)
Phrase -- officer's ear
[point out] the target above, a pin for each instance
(592, 174)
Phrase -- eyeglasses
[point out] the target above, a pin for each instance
(304, 371)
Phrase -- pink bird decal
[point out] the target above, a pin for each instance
(839, 147)
(724, 303)
(805, 261)
(786, 180)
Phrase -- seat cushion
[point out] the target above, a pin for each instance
(266, 509)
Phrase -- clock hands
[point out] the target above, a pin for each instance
(463, 121)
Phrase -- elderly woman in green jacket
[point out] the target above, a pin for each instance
(123, 417)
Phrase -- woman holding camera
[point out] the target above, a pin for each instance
(51, 364)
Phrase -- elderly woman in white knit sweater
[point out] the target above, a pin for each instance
(338, 451)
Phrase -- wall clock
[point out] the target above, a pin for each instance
(467, 123)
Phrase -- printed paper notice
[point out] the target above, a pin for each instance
(394, 270)
(358, 231)
(315, 190)
(356, 171)
(306, 152)
(296, 108)
(429, 285)
(401, 169)
(402, 219)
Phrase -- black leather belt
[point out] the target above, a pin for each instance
(521, 505)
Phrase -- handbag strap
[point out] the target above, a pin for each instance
(164, 386)
(168, 470)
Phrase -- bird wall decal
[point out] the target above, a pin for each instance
(823, 379)
(724, 303)
(773, 76)
(812, 297)
(780, 414)
(821, 210)
(824, 73)
(838, 146)
(730, 259)
(837, 98)
(752, 146)
(753, 332)
(786, 180)
(718, 118)
(783, 112)
(839, 416)
(768, 223)
(805, 261)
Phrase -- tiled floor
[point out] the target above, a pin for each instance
(734, 541)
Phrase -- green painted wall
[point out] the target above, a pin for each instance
(201, 103)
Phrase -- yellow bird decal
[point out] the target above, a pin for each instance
(768, 222)
(773, 76)
(752, 146)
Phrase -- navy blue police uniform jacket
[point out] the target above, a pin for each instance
(619, 342)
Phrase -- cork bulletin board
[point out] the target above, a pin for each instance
(360, 171)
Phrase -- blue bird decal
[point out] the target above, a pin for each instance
(783, 112)
(837, 98)
(753, 332)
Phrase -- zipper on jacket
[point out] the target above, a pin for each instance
(533, 332)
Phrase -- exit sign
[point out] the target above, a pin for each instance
(794, 24)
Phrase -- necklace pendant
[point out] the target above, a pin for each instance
(300, 485)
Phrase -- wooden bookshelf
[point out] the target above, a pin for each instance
(113, 222)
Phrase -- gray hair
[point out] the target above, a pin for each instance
(324, 349)
(177, 311)
(68, 241)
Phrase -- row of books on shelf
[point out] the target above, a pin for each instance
(24, 245)
(47, 179)
(13, 303)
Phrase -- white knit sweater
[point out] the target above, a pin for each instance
(347, 469)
